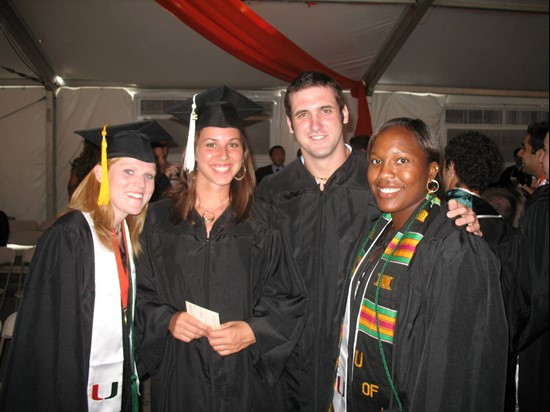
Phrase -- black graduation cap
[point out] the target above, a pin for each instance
(218, 107)
(123, 140)
(129, 139)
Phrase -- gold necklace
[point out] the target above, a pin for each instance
(208, 215)
(323, 180)
(118, 228)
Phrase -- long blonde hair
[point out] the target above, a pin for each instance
(84, 199)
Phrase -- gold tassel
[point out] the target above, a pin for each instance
(103, 198)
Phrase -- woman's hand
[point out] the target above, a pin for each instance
(466, 217)
(232, 337)
(186, 328)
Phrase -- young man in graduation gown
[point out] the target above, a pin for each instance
(525, 278)
(325, 204)
(72, 347)
(472, 161)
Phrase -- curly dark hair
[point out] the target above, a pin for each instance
(477, 160)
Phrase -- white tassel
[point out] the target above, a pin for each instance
(189, 161)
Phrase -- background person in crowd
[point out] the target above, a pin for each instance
(424, 327)
(4, 228)
(207, 245)
(359, 142)
(324, 204)
(513, 176)
(72, 346)
(81, 166)
(277, 156)
(525, 276)
(472, 162)
(509, 202)
(166, 171)
(531, 150)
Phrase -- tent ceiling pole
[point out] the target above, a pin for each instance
(401, 88)
(496, 5)
(17, 30)
(51, 157)
(403, 28)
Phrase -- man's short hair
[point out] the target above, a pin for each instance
(537, 131)
(313, 79)
(275, 148)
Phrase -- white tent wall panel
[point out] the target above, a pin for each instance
(22, 157)
(23, 133)
(428, 107)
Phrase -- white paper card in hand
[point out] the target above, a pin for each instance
(206, 316)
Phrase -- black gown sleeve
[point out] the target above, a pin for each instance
(463, 361)
(152, 316)
(279, 314)
(525, 276)
(48, 362)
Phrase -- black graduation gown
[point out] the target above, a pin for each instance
(262, 172)
(450, 346)
(323, 229)
(49, 355)
(239, 272)
(495, 229)
(525, 282)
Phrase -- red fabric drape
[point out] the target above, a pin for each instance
(233, 26)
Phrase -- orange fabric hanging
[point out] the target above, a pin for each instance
(233, 26)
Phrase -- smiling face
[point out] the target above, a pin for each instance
(317, 122)
(131, 184)
(219, 154)
(398, 173)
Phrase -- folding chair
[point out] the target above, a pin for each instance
(7, 331)
(7, 260)
(25, 262)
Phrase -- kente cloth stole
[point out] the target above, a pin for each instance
(378, 320)
(104, 392)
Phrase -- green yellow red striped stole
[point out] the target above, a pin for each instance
(387, 318)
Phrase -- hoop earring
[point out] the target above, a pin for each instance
(242, 177)
(432, 186)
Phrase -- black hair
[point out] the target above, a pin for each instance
(313, 79)
(275, 148)
(360, 142)
(425, 137)
(477, 160)
(86, 160)
(508, 202)
(536, 132)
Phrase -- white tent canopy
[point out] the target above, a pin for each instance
(108, 51)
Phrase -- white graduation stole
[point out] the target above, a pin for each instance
(104, 392)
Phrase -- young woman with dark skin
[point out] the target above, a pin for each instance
(424, 327)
